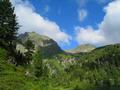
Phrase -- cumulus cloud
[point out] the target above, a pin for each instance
(108, 31)
(111, 22)
(82, 14)
(31, 21)
(88, 35)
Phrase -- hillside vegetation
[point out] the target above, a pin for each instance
(97, 70)
(35, 62)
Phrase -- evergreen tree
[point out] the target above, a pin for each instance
(38, 63)
(8, 25)
(20, 58)
(30, 47)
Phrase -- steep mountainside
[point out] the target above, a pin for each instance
(49, 46)
(82, 48)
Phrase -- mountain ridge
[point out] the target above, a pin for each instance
(82, 49)
(49, 46)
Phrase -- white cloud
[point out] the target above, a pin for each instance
(82, 14)
(32, 21)
(111, 22)
(88, 35)
(108, 31)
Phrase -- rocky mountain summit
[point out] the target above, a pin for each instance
(48, 45)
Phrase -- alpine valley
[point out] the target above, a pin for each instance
(31, 61)
(55, 69)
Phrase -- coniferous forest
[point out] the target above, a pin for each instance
(25, 65)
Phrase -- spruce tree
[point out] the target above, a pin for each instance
(8, 25)
(38, 62)
(30, 47)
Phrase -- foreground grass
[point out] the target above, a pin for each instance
(85, 75)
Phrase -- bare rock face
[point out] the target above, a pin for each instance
(48, 45)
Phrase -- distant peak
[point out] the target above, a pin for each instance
(82, 48)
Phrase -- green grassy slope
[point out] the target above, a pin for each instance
(11, 77)
(82, 48)
(96, 70)
(100, 68)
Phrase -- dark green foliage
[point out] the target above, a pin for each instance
(40, 69)
(8, 28)
(38, 64)
(20, 58)
(8, 25)
(3, 54)
(30, 47)
(77, 88)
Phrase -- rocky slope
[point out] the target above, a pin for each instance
(49, 46)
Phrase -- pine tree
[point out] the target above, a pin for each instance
(30, 47)
(8, 25)
(38, 63)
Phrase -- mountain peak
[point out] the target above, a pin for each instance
(48, 45)
(82, 48)
(35, 35)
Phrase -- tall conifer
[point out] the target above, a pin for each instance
(8, 25)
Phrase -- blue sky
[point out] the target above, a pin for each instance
(65, 14)
(77, 21)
